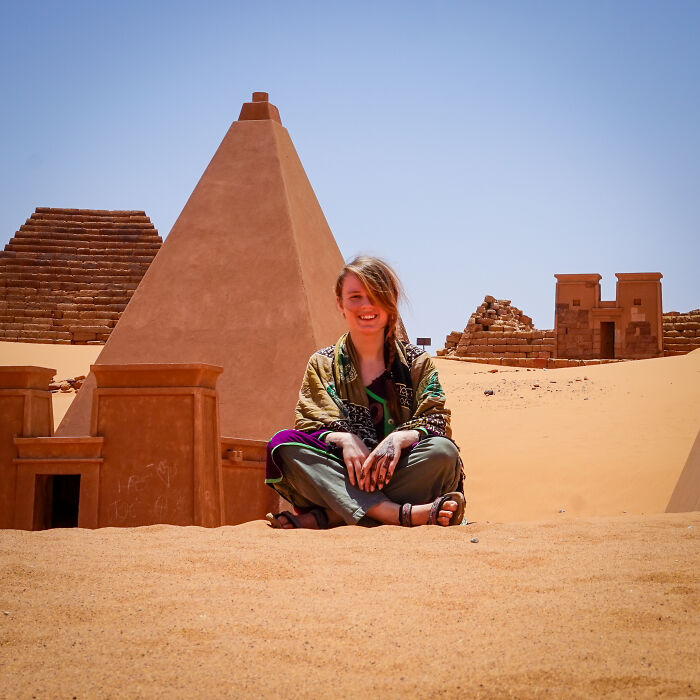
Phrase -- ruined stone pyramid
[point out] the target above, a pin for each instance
(67, 274)
(244, 280)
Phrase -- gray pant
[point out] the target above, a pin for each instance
(429, 470)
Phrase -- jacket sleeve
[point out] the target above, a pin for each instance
(430, 416)
(319, 407)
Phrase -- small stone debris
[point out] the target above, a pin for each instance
(474, 540)
(493, 371)
(5, 612)
(488, 392)
(586, 398)
(561, 510)
(67, 384)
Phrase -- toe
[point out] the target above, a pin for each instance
(447, 512)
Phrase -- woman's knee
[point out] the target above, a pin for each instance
(441, 450)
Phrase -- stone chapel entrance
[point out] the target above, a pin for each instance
(607, 340)
(56, 501)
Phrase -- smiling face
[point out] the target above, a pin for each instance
(363, 316)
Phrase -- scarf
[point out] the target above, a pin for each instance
(333, 397)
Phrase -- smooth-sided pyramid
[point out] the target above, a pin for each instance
(244, 280)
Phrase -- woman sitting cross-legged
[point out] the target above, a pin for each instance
(371, 440)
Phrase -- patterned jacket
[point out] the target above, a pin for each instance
(333, 397)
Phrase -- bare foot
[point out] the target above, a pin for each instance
(419, 514)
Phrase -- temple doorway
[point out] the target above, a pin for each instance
(607, 340)
(56, 501)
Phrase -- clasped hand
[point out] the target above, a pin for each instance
(373, 470)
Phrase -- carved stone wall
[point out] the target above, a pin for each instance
(681, 332)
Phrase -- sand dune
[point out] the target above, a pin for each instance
(566, 608)
(595, 440)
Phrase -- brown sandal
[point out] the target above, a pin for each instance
(318, 513)
(438, 503)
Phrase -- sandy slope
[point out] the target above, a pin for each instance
(562, 608)
(595, 440)
(67, 360)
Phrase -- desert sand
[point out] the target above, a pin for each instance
(571, 607)
(579, 585)
(596, 440)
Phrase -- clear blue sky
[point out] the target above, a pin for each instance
(479, 146)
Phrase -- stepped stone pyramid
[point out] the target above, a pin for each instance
(497, 328)
(67, 274)
(244, 281)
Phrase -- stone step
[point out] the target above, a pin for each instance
(26, 232)
(134, 224)
(34, 337)
(47, 334)
(79, 268)
(93, 236)
(100, 296)
(46, 271)
(107, 217)
(101, 231)
(109, 285)
(71, 247)
(96, 212)
(65, 275)
(83, 247)
(102, 219)
(681, 351)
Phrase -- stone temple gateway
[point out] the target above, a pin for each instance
(629, 327)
